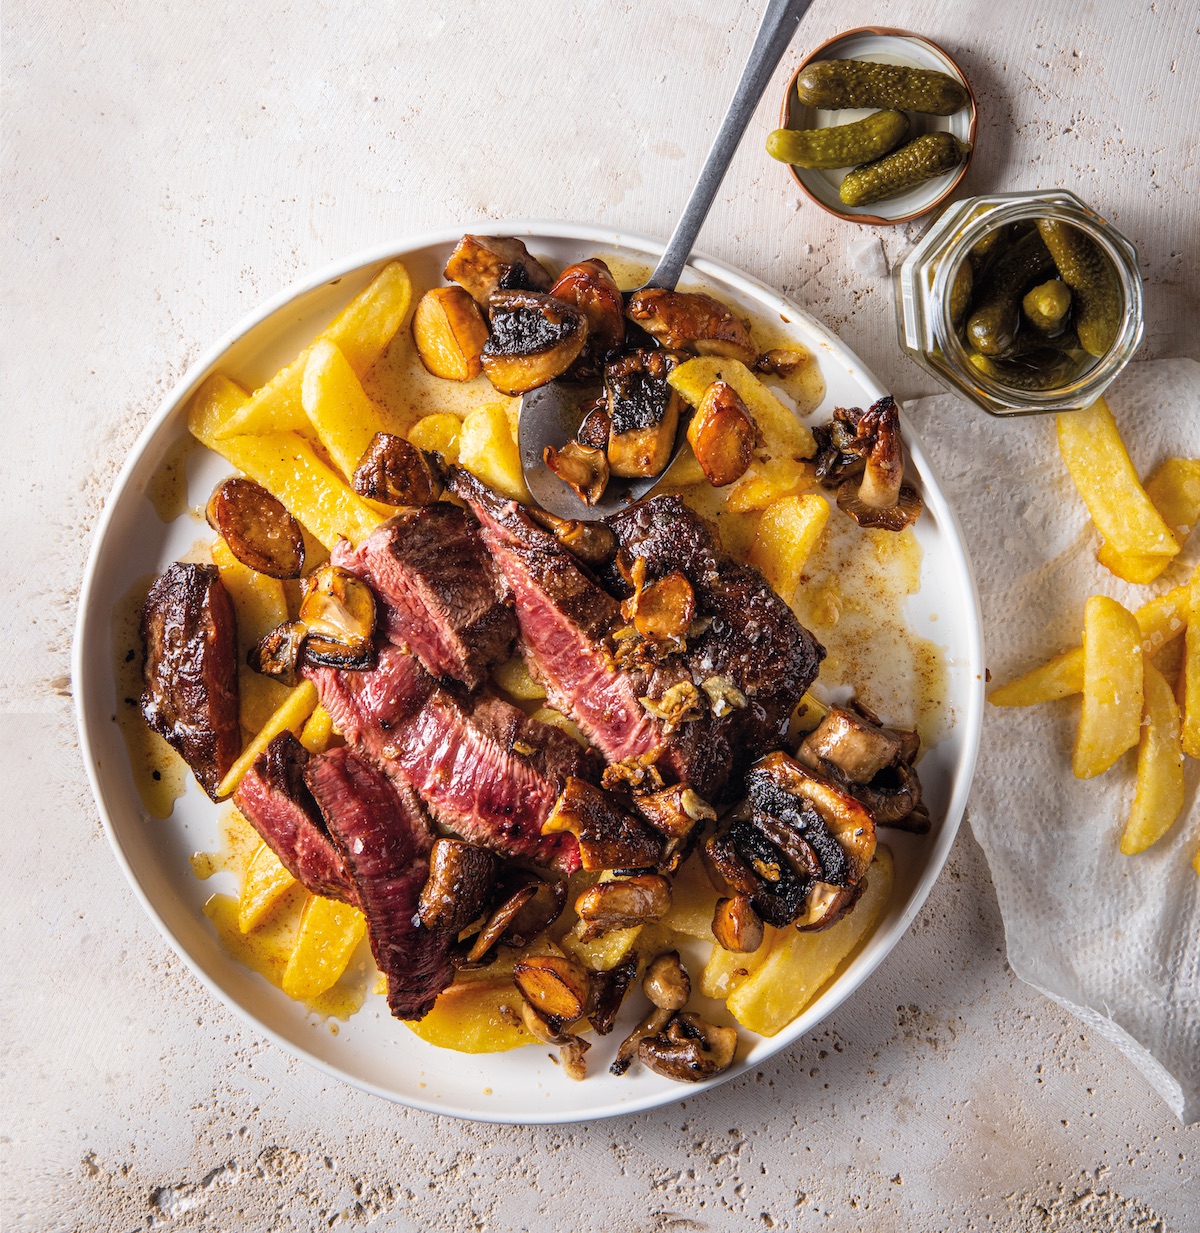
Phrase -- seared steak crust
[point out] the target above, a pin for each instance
(385, 840)
(753, 640)
(487, 771)
(189, 636)
(274, 796)
(440, 601)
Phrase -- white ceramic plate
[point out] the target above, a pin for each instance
(372, 1050)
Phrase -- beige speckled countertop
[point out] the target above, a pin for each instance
(166, 167)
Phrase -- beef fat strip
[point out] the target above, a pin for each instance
(275, 798)
(385, 840)
(190, 695)
(486, 770)
(428, 568)
(745, 639)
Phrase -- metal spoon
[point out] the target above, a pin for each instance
(550, 414)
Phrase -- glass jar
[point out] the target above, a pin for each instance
(925, 276)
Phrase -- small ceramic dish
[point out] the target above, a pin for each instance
(885, 46)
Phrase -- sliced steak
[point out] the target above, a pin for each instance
(190, 695)
(753, 639)
(275, 798)
(565, 618)
(385, 839)
(440, 600)
(488, 771)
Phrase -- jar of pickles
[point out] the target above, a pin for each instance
(1023, 302)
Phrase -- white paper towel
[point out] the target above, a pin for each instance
(1115, 939)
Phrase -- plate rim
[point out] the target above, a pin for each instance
(87, 625)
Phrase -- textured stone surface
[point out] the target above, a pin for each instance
(167, 167)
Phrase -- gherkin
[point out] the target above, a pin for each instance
(930, 155)
(844, 145)
(834, 84)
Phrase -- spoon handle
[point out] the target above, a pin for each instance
(778, 25)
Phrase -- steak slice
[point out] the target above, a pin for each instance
(487, 771)
(275, 798)
(190, 694)
(440, 601)
(753, 640)
(385, 839)
(565, 619)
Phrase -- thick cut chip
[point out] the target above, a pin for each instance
(766, 482)
(1159, 797)
(1175, 490)
(800, 964)
(514, 679)
(1059, 678)
(1160, 621)
(261, 605)
(727, 969)
(290, 717)
(478, 1016)
(1101, 468)
(488, 449)
(266, 881)
(693, 901)
(328, 935)
(787, 533)
(438, 434)
(1110, 720)
(317, 731)
(603, 953)
(361, 331)
(1191, 675)
(784, 436)
(343, 417)
(285, 464)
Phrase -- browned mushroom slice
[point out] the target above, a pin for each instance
(537, 913)
(692, 321)
(643, 412)
(722, 435)
(592, 542)
(338, 610)
(460, 882)
(535, 338)
(837, 459)
(689, 1049)
(499, 921)
(858, 748)
(257, 528)
(608, 836)
(555, 986)
(737, 926)
(584, 469)
(664, 610)
(892, 795)
(827, 904)
(781, 362)
(589, 285)
(395, 472)
(674, 811)
(278, 652)
(595, 426)
(755, 867)
(668, 986)
(485, 264)
(608, 992)
(623, 903)
(781, 787)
